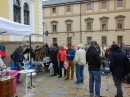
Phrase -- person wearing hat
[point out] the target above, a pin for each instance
(61, 58)
(80, 60)
(94, 64)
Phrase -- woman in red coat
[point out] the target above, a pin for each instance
(61, 58)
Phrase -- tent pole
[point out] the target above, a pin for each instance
(30, 56)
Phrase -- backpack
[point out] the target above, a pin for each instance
(127, 65)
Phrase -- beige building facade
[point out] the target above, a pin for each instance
(81, 21)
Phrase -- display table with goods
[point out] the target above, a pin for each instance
(6, 87)
(13, 74)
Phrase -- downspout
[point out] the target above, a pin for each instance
(80, 24)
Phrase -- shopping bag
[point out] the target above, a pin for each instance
(28, 65)
(66, 63)
(3, 54)
(12, 65)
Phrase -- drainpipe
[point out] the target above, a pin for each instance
(80, 24)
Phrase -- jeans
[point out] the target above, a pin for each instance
(71, 65)
(94, 77)
(118, 83)
(79, 73)
(105, 71)
(56, 69)
(60, 70)
(19, 67)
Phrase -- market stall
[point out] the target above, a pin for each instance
(8, 27)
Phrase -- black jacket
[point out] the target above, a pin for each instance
(117, 62)
(93, 59)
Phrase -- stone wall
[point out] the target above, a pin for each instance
(11, 46)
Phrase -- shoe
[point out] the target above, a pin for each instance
(77, 83)
(72, 78)
(59, 76)
(67, 78)
(53, 75)
(18, 82)
(64, 75)
(82, 82)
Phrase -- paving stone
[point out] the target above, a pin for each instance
(61, 95)
(81, 93)
(54, 95)
(64, 92)
(73, 91)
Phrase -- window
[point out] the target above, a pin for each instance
(53, 10)
(119, 24)
(103, 4)
(119, 3)
(104, 40)
(26, 14)
(89, 26)
(120, 39)
(54, 28)
(69, 40)
(68, 8)
(104, 25)
(54, 25)
(17, 11)
(68, 27)
(89, 6)
(54, 40)
(89, 39)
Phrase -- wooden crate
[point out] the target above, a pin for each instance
(6, 88)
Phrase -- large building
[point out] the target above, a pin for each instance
(80, 21)
(28, 12)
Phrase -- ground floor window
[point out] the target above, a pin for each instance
(69, 40)
(119, 39)
(54, 40)
(89, 39)
(104, 40)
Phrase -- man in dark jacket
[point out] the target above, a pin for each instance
(117, 67)
(54, 59)
(94, 64)
(17, 57)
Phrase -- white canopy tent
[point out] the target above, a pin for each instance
(8, 27)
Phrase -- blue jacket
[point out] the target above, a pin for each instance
(71, 53)
(117, 62)
(17, 56)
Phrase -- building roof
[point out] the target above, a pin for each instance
(58, 2)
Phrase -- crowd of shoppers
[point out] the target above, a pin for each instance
(113, 59)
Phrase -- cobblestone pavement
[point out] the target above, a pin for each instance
(47, 86)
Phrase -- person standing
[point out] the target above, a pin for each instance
(54, 57)
(117, 67)
(98, 49)
(61, 58)
(94, 64)
(17, 57)
(70, 53)
(80, 60)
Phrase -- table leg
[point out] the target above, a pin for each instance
(31, 78)
(26, 83)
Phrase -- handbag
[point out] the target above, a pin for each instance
(66, 63)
